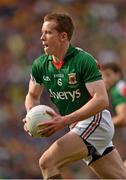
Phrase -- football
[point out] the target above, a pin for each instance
(35, 116)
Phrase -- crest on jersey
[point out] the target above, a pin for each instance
(72, 78)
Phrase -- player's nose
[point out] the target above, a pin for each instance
(42, 37)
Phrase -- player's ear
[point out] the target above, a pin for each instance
(64, 36)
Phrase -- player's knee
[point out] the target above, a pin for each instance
(44, 161)
(51, 157)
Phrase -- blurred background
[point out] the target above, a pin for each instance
(100, 28)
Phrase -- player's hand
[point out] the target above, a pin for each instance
(48, 128)
(25, 127)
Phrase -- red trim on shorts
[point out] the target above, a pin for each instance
(73, 125)
(92, 126)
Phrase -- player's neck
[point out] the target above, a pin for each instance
(59, 57)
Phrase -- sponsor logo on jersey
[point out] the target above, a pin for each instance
(72, 78)
(65, 95)
(46, 78)
(58, 75)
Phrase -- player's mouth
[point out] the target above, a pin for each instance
(45, 46)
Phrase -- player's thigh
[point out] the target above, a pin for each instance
(66, 149)
(109, 166)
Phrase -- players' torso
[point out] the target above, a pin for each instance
(67, 84)
(66, 89)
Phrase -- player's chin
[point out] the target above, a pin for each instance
(47, 52)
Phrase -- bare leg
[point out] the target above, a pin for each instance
(124, 163)
(70, 148)
(109, 166)
(66, 173)
(67, 149)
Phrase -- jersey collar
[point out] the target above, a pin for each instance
(70, 51)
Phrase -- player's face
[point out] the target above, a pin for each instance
(51, 38)
(109, 77)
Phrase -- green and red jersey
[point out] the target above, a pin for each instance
(66, 83)
(118, 93)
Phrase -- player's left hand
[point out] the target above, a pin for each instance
(25, 127)
(50, 127)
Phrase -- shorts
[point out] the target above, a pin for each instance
(97, 133)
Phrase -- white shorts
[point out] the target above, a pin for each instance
(97, 133)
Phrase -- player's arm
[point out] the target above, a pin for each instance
(98, 102)
(120, 118)
(33, 95)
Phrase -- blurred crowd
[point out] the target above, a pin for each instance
(100, 28)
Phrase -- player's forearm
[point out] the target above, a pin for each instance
(31, 101)
(94, 106)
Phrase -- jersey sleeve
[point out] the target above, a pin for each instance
(90, 69)
(36, 72)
